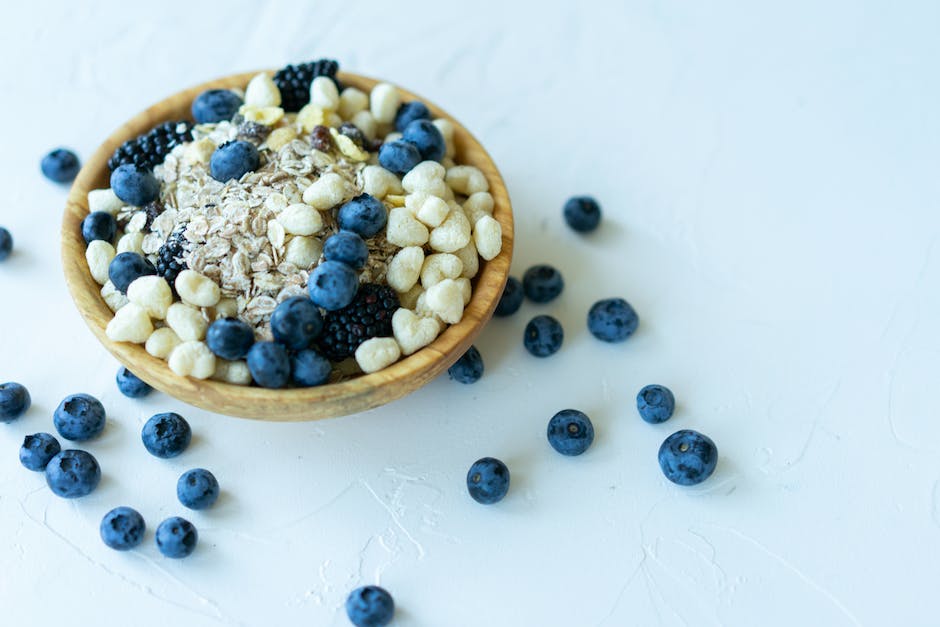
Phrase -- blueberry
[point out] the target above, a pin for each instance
(126, 268)
(14, 401)
(582, 213)
(511, 299)
(469, 368)
(570, 432)
(122, 528)
(612, 320)
(60, 166)
(176, 537)
(215, 105)
(488, 480)
(333, 285)
(230, 338)
(79, 417)
(130, 385)
(426, 138)
(269, 364)
(98, 225)
(399, 156)
(687, 457)
(409, 112)
(296, 322)
(38, 449)
(346, 247)
(134, 185)
(370, 606)
(542, 283)
(309, 368)
(655, 403)
(6, 243)
(73, 473)
(232, 160)
(166, 435)
(197, 489)
(543, 336)
(364, 215)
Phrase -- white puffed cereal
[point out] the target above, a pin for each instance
(131, 243)
(130, 324)
(162, 342)
(113, 298)
(187, 321)
(413, 332)
(466, 290)
(333, 119)
(197, 289)
(470, 260)
(446, 127)
(351, 102)
(377, 181)
(488, 237)
(377, 353)
(300, 219)
(366, 123)
(404, 230)
(423, 176)
(267, 116)
(199, 151)
(153, 294)
(445, 299)
(433, 211)
(409, 299)
(310, 116)
(262, 92)
(192, 359)
(466, 180)
(478, 205)
(394, 136)
(326, 192)
(383, 103)
(225, 308)
(453, 233)
(235, 372)
(104, 200)
(324, 94)
(303, 251)
(404, 268)
(438, 267)
(99, 255)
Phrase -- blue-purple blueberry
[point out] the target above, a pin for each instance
(230, 338)
(364, 215)
(488, 480)
(166, 435)
(135, 185)
(570, 432)
(469, 368)
(215, 105)
(655, 403)
(126, 268)
(6, 243)
(688, 457)
(399, 156)
(14, 401)
(232, 160)
(197, 489)
(427, 138)
(346, 247)
(269, 364)
(296, 322)
(130, 385)
(73, 473)
(122, 528)
(408, 112)
(511, 299)
(60, 165)
(79, 417)
(309, 368)
(38, 449)
(542, 283)
(370, 606)
(99, 225)
(612, 320)
(333, 285)
(176, 537)
(543, 336)
(582, 213)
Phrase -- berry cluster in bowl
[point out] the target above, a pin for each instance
(296, 232)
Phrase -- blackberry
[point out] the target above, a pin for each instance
(321, 139)
(151, 148)
(294, 81)
(169, 257)
(368, 316)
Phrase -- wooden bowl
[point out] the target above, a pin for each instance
(336, 399)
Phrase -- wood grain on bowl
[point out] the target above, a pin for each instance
(355, 395)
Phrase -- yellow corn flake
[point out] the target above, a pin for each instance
(262, 115)
(200, 151)
(310, 116)
(395, 200)
(348, 147)
(280, 137)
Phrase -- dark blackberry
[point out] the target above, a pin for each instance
(354, 133)
(169, 257)
(368, 316)
(294, 81)
(152, 209)
(151, 148)
(321, 139)
(253, 132)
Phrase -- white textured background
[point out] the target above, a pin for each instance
(770, 181)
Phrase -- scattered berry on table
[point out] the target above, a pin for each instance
(612, 320)
(426, 138)
(151, 148)
(408, 112)
(73, 473)
(176, 537)
(296, 322)
(333, 285)
(370, 606)
(399, 156)
(166, 435)
(130, 385)
(269, 364)
(79, 417)
(126, 268)
(6, 243)
(14, 401)
(60, 166)
(135, 185)
(511, 299)
(469, 368)
(309, 368)
(232, 160)
(570, 432)
(197, 489)
(321, 139)
(655, 403)
(369, 315)
(230, 338)
(488, 480)
(346, 247)
(99, 225)
(38, 449)
(543, 336)
(293, 81)
(542, 283)
(688, 457)
(170, 256)
(215, 105)
(582, 213)
(355, 133)
(122, 528)
(364, 215)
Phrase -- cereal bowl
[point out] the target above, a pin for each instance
(292, 404)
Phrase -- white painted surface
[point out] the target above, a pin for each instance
(769, 176)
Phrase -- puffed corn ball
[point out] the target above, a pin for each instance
(326, 192)
(323, 93)
(404, 230)
(187, 321)
(262, 92)
(405, 268)
(99, 255)
(409, 299)
(378, 182)
(351, 102)
(192, 359)
(466, 180)
(470, 259)
(302, 251)
(130, 324)
(104, 200)
(112, 297)
(430, 210)
(280, 137)
(438, 267)
(453, 233)
(488, 237)
(383, 103)
(413, 332)
(151, 293)
(235, 372)
(162, 342)
(424, 177)
(377, 353)
(131, 243)
(478, 205)
(366, 123)
(445, 300)
(268, 116)
(446, 127)
(197, 289)
(300, 219)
